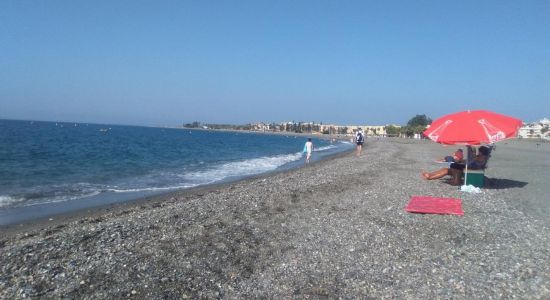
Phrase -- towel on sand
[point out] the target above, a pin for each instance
(435, 205)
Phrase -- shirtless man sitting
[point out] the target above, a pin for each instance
(456, 169)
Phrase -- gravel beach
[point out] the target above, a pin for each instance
(334, 229)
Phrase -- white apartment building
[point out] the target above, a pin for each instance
(535, 130)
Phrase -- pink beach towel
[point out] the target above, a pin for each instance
(435, 205)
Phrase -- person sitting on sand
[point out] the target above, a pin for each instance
(457, 157)
(456, 169)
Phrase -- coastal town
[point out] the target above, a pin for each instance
(535, 130)
(306, 127)
(414, 128)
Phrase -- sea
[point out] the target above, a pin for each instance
(47, 168)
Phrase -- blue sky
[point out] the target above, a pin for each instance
(344, 62)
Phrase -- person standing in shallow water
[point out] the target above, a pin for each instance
(308, 149)
(359, 140)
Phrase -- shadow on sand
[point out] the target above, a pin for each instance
(499, 183)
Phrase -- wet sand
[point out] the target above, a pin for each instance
(332, 229)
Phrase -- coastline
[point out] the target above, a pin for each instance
(341, 137)
(161, 198)
(335, 228)
(104, 195)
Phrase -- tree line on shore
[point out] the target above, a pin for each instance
(416, 125)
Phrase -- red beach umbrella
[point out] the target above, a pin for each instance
(473, 127)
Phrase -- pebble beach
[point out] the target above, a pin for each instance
(332, 229)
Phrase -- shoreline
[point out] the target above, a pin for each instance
(152, 200)
(336, 228)
(14, 215)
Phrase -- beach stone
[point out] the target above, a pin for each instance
(333, 229)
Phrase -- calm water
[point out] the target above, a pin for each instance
(48, 167)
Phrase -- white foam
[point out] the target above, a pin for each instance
(7, 200)
(150, 189)
(242, 168)
(62, 198)
(325, 148)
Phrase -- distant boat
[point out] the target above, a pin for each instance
(104, 129)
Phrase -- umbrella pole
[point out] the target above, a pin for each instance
(466, 172)
(466, 168)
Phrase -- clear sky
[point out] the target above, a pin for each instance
(343, 62)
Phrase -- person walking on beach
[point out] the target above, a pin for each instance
(308, 148)
(359, 140)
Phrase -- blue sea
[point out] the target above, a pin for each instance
(48, 168)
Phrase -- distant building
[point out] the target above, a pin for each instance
(535, 130)
(318, 128)
(372, 130)
(261, 126)
(378, 129)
